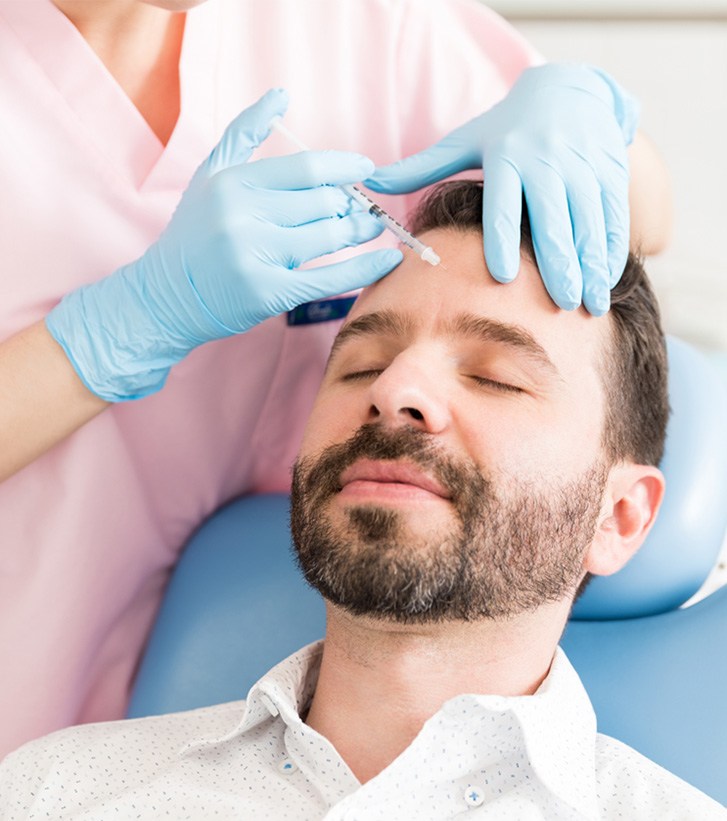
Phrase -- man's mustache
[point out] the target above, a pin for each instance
(373, 441)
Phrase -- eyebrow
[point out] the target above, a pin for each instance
(394, 324)
(512, 336)
(383, 323)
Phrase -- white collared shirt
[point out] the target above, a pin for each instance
(527, 757)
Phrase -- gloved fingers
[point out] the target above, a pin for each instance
(245, 133)
(552, 232)
(502, 197)
(589, 235)
(449, 156)
(307, 169)
(340, 277)
(326, 236)
(615, 201)
(290, 208)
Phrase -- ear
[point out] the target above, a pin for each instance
(630, 504)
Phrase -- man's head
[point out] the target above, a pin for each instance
(474, 451)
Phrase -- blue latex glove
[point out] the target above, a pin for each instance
(560, 138)
(225, 262)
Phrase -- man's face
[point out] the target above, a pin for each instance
(452, 467)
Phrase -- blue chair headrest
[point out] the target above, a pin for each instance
(685, 541)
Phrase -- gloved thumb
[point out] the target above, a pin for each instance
(450, 155)
(245, 133)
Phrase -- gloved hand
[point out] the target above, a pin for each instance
(560, 138)
(225, 262)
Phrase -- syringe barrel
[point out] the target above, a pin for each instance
(424, 251)
(405, 237)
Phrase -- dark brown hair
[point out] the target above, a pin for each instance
(634, 370)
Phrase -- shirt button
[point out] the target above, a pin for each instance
(474, 796)
(287, 766)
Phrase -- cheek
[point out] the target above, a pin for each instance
(532, 443)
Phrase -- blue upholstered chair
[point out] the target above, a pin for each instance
(656, 673)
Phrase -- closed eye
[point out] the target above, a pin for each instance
(498, 386)
(371, 373)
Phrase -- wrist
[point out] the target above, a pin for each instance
(111, 355)
(117, 345)
(123, 333)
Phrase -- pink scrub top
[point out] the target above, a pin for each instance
(90, 531)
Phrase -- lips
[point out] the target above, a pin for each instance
(393, 473)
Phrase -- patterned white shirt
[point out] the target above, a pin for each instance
(527, 757)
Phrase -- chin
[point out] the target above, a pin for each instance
(374, 523)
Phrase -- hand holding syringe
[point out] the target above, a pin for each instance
(425, 252)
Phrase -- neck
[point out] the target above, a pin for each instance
(380, 682)
(140, 45)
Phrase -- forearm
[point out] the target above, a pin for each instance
(42, 399)
(650, 198)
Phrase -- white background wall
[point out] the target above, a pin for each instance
(673, 56)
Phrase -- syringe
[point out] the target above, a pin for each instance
(426, 252)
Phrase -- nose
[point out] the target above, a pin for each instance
(411, 391)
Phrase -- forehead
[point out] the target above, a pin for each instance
(434, 301)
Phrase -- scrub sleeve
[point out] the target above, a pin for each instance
(91, 530)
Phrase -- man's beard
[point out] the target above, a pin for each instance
(509, 550)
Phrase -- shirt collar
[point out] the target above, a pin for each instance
(285, 690)
(557, 722)
(557, 725)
